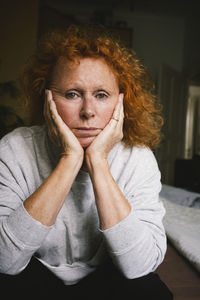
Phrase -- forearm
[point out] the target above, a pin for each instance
(45, 203)
(21, 233)
(112, 206)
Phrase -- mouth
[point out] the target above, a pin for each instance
(86, 131)
(87, 128)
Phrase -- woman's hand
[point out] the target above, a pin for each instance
(45, 203)
(58, 131)
(109, 136)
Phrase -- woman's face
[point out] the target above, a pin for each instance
(86, 93)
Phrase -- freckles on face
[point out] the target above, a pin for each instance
(85, 93)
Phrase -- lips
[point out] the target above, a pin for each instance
(87, 128)
(86, 131)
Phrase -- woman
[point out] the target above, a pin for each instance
(81, 193)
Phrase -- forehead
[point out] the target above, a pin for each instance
(83, 70)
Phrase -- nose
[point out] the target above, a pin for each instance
(87, 109)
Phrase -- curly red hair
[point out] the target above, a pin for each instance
(142, 117)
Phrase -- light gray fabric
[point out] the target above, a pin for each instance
(74, 246)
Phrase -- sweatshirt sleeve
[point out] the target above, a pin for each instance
(20, 234)
(137, 244)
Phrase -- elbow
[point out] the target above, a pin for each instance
(133, 273)
(143, 265)
(9, 267)
(136, 272)
(130, 275)
(10, 272)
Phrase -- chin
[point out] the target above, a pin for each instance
(85, 142)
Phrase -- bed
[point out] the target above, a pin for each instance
(180, 269)
(182, 221)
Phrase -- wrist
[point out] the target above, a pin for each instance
(96, 162)
(73, 161)
(73, 153)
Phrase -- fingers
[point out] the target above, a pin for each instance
(47, 113)
(52, 110)
(118, 113)
(118, 117)
(121, 97)
(48, 94)
(50, 104)
(58, 131)
(51, 117)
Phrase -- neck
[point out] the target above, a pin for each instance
(84, 166)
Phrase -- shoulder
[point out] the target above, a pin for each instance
(22, 138)
(135, 155)
(136, 164)
(22, 134)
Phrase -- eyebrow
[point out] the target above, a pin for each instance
(81, 90)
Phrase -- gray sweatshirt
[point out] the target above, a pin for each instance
(74, 245)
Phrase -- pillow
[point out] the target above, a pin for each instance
(180, 196)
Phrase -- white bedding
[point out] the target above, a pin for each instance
(182, 225)
(180, 196)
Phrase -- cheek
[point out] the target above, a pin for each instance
(67, 112)
(106, 114)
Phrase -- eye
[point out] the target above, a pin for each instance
(102, 96)
(71, 95)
